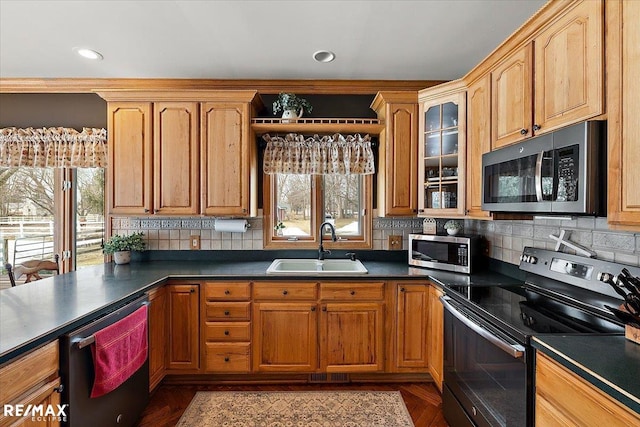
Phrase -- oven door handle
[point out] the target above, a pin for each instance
(514, 350)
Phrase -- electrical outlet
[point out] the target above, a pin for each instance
(195, 242)
(395, 243)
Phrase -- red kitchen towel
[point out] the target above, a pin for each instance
(119, 351)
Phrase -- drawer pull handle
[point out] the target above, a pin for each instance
(226, 359)
(226, 313)
(226, 332)
(227, 292)
(59, 389)
(352, 292)
(285, 292)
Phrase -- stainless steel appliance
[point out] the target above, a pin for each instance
(120, 407)
(559, 172)
(451, 253)
(488, 358)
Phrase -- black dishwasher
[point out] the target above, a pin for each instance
(120, 407)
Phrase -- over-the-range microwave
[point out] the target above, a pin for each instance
(443, 252)
(561, 172)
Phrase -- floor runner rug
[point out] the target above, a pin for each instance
(296, 409)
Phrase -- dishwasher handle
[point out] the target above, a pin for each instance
(514, 350)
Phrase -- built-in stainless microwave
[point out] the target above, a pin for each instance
(451, 253)
(557, 173)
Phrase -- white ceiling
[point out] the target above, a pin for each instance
(378, 40)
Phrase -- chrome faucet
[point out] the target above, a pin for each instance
(321, 251)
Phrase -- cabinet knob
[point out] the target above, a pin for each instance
(324, 308)
(536, 127)
(285, 292)
(192, 290)
(226, 359)
(59, 389)
(227, 292)
(524, 131)
(313, 309)
(402, 289)
(226, 333)
(352, 292)
(226, 313)
(146, 211)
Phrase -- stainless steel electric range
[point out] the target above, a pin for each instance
(488, 358)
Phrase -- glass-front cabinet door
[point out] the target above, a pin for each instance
(441, 155)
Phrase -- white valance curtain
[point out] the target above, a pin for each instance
(319, 155)
(53, 147)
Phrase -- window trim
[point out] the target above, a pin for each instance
(364, 242)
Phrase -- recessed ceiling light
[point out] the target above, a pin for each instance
(324, 56)
(87, 53)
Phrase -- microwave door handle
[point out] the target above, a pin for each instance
(514, 350)
(538, 176)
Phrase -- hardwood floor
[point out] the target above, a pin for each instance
(168, 402)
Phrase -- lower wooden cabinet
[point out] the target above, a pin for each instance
(285, 336)
(565, 399)
(183, 349)
(31, 380)
(412, 321)
(435, 338)
(157, 335)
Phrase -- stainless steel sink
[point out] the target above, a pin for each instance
(312, 267)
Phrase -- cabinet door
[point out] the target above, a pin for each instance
(176, 161)
(157, 335)
(46, 396)
(285, 337)
(183, 327)
(623, 110)
(412, 322)
(225, 159)
(442, 155)
(130, 158)
(565, 399)
(512, 98)
(478, 142)
(436, 336)
(569, 72)
(398, 156)
(351, 337)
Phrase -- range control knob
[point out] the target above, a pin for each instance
(529, 321)
(533, 260)
(524, 258)
(604, 277)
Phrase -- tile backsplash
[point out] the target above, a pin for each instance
(174, 233)
(507, 238)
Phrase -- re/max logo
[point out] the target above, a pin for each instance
(20, 410)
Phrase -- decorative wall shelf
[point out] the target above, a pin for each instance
(317, 125)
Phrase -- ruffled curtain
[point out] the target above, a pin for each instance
(335, 154)
(53, 147)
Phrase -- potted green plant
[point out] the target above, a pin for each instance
(120, 246)
(291, 105)
(452, 227)
(278, 227)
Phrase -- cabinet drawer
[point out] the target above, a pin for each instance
(227, 331)
(221, 311)
(352, 291)
(228, 357)
(285, 291)
(28, 371)
(227, 291)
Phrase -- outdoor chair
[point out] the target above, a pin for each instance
(31, 269)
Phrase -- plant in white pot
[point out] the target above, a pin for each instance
(452, 227)
(291, 106)
(120, 246)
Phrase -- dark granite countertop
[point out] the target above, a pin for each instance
(609, 362)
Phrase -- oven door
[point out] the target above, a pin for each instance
(485, 372)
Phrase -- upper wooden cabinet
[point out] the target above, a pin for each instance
(398, 152)
(478, 142)
(182, 153)
(175, 155)
(442, 150)
(130, 189)
(227, 152)
(553, 80)
(623, 105)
